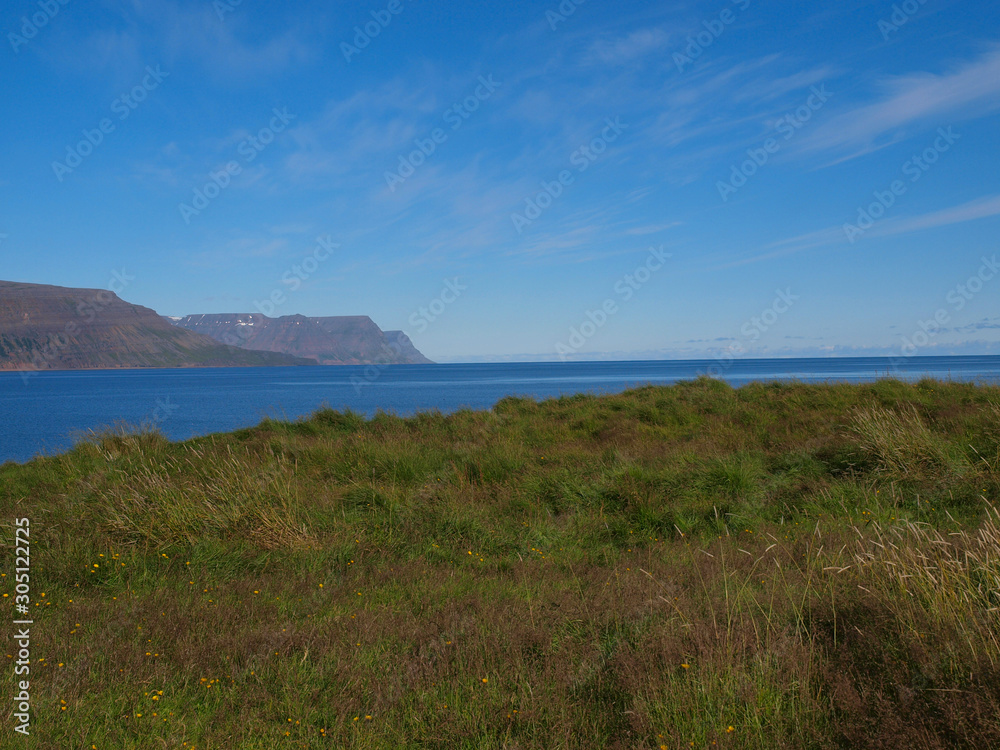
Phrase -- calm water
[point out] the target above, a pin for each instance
(46, 413)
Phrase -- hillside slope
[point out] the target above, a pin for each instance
(401, 343)
(46, 327)
(341, 340)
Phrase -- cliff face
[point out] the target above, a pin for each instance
(400, 342)
(49, 327)
(343, 340)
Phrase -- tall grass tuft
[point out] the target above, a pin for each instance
(899, 442)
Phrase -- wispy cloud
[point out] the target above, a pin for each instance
(170, 33)
(238, 250)
(766, 89)
(984, 324)
(361, 132)
(652, 228)
(627, 48)
(970, 90)
(980, 208)
(197, 32)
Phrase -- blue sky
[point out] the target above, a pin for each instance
(813, 178)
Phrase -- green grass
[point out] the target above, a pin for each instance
(775, 566)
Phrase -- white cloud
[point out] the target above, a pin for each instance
(767, 89)
(361, 133)
(970, 90)
(168, 34)
(625, 49)
(980, 208)
(652, 228)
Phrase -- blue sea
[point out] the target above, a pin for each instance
(46, 412)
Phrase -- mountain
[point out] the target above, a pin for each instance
(401, 343)
(57, 328)
(343, 340)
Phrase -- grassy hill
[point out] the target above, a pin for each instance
(778, 566)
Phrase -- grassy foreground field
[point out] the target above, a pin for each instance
(778, 566)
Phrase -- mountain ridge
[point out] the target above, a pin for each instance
(47, 327)
(330, 340)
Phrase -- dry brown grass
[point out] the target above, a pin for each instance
(899, 441)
